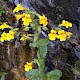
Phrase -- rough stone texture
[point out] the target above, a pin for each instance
(56, 10)
(13, 58)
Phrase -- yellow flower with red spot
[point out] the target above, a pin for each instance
(43, 20)
(52, 35)
(26, 19)
(62, 35)
(18, 8)
(66, 24)
(28, 66)
(4, 25)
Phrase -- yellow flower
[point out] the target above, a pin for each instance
(68, 34)
(4, 25)
(30, 35)
(43, 20)
(52, 35)
(10, 35)
(53, 31)
(26, 19)
(3, 37)
(7, 36)
(61, 35)
(28, 66)
(18, 16)
(18, 8)
(23, 37)
(66, 24)
(11, 32)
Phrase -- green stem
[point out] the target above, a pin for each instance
(29, 11)
(42, 65)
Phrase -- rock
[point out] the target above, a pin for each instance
(13, 60)
(56, 10)
(63, 59)
(77, 51)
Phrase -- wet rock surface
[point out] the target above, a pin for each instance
(13, 58)
(61, 55)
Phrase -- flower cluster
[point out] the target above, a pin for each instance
(62, 35)
(66, 24)
(28, 66)
(7, 36)
(58, 33)
(26, 17)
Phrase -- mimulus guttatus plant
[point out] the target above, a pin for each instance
(29, 21)
(36, 22)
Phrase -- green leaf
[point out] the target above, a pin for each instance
(33, 74)
(26, 28)
(2, 77)
(0, 22)
(44, 28)
(75, 71)
(34, 24)
(43, 51)
(54, 75)
(39, 29)
(32, 16)
(57, 29)
(2, 74)
(1, 10)
(53, 78)
(33, 44)
(35, 38)
(43, 42)
(36, 61)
